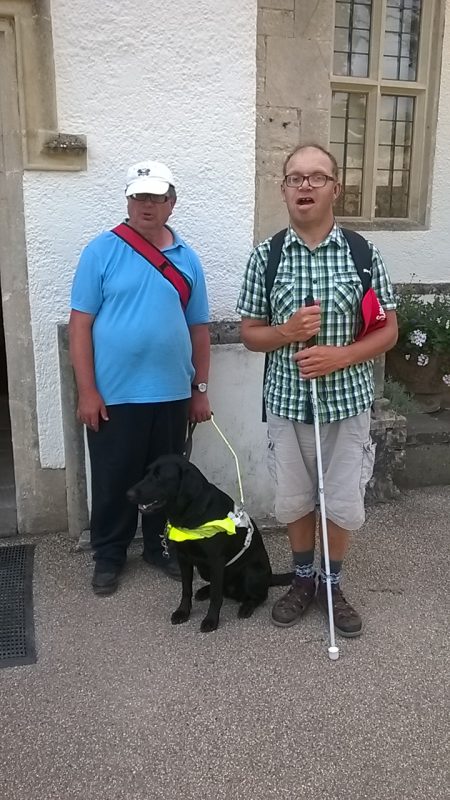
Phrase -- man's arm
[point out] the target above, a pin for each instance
(199, 409)
(90, 402)
(260, 337)
(321, 360)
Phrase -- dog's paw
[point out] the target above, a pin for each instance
(246, 609)
(203, 593)
(209, 624)
(179, 616)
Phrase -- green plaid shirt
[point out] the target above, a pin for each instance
(328, 273)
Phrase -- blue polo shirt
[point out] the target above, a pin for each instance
(141, 340)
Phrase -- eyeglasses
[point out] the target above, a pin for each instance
(141, 197)
(316, 181)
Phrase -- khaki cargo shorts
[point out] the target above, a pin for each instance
(348, 456)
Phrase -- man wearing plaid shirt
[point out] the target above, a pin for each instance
(316, 260)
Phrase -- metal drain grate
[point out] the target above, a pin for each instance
(16, 606)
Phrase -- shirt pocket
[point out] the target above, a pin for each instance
(282, 300)
(347, 294)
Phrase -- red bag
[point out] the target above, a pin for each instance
(373, 314)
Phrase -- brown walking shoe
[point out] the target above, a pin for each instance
(347, 621)
(291, 606)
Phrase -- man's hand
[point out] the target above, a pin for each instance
(199, 409)
(91, 409)
(313, 362)
(303, 325)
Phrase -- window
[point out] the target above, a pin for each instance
(382, 103)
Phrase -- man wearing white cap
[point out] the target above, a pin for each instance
(140, 349)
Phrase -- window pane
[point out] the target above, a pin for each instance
(340, 104)
(403, 133)
(342, 15)
(392, 198)
(360, 42)
(355, 155)
(352, 35)
(337, 130)
(394, 156)
(393, 20)
(401, 43)
(359, 66)
(341, 41)
(361, 16)
(352, 193)
(388, 106)
(404, 108)
(356, 129)
(384, 157)
(340, 64)
(406, 71)
(386, 132)
(347, 140)
(338, 152)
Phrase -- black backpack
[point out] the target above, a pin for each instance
(361, 255)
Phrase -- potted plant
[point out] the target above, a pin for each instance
(421, 358)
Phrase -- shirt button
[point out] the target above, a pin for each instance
(314, 281)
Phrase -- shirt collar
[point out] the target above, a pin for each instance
(335, 235)
(177, 240)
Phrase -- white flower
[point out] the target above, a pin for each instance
(422, 360)
(447, 325)
(418, 337)
(446, 379)
(439, 320)
(408, 356)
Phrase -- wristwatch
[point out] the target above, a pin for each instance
(201, 387)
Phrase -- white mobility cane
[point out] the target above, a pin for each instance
(333, 651)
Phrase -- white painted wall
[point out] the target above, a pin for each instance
(174, 81)
(236, 400)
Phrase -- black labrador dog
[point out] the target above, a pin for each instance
(190, 501)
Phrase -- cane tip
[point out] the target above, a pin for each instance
(333, 653)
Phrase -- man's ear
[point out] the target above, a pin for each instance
(337, 189)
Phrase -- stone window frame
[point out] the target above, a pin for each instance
(44, 147)
(425, 90)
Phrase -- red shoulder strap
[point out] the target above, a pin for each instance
(157, 259)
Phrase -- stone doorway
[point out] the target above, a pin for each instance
(8, 513)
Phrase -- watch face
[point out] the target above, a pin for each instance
(202, 387)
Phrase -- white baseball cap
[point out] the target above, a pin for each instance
(149, 177)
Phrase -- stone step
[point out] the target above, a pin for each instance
(427, 451)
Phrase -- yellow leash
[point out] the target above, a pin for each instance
(234, 456)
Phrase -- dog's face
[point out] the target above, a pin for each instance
(172, 483)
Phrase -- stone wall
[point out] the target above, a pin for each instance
(293, 94)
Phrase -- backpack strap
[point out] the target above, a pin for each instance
(276, 246)
(361, 255)
(156, 258)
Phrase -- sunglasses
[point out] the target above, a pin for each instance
(141, 197)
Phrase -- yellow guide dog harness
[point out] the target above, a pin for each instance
(235, 519)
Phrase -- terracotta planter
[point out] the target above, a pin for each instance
(425, 383)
